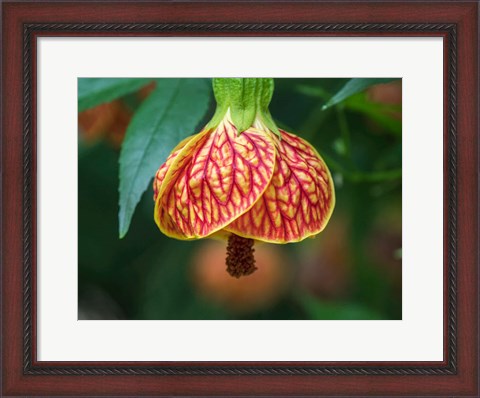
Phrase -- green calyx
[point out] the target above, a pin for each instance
(247, 99)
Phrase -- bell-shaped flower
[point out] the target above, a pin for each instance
(243, 179)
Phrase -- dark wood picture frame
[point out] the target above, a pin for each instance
(456, 22)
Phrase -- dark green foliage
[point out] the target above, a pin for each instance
(354, 86)
(94, 91)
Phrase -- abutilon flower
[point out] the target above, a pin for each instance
(243, 179)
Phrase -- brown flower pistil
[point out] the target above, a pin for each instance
(240, 259)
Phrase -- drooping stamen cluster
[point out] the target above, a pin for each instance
(240, 258)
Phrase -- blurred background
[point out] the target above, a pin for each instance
(352, 270)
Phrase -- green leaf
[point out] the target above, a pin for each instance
(168, 115)
(354, 86)
(96, 91)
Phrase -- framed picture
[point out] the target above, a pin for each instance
(246, 198)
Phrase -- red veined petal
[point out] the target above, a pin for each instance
(299, 200)
(213, 180)
(162, 171)
(161, 216)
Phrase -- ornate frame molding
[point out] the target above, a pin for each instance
(30, 29)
